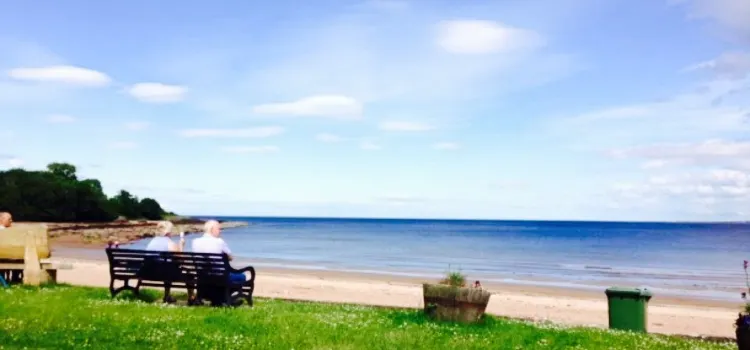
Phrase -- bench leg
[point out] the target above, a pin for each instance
(249, 296)
(167, 289)
(52, 275)
(48, 276)
(192, 297)
(114, 291)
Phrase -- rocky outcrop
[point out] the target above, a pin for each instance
(98, 234)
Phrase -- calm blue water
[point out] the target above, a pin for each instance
(702, 260)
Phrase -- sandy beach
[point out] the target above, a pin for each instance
(567, 306)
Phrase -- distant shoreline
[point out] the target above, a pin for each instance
(98, 234)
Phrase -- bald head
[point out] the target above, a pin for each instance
(5, 219)
(212, 227)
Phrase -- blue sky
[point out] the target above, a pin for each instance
(572, 109)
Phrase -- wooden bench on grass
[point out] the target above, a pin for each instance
(208, 274)
(25, 253)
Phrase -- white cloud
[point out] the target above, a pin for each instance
(123, 145)
(15, 162)
(714, 110)
(733, 65)
(136, 125)
(713, 185)
(61, 74)
(257, 132)
(401, 199)
(446, 146)
(157, 92)
(329, 138)
(251, 149)
(710, 152)
(60, 119)
(329, 106)
(405, 126)
(388, 5)
(484, 37)
(706, 149)
(731, 15)
(372, 58)
(370, 146)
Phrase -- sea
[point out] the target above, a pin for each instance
(697, 260)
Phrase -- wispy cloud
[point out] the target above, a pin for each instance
(729, 15)
(401, 199)
(370, 146)
(123, 145)
(157, 92)
(691, 116)
(257, 132)
(15, 162)
(328, 106)
(61, 74)
(137, 125)
(732, 65)
(329, 138)
(60, 119)
(711, 152)
(407, 126)
(473, 37)
(446, 146)
(251, 149)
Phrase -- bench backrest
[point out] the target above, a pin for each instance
(168, 266)
(13, 241)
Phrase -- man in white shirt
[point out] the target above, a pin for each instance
(210, 242)
(6, 220)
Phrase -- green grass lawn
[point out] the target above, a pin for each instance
(65, 317)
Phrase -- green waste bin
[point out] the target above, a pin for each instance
(628, 308)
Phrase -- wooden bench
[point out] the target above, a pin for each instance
(208, 274)
(24, 255)
(47, 268)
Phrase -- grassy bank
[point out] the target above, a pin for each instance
(66, 317)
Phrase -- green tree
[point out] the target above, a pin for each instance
(57, 195)
(150, 209)
(63, 170)
(126, 205)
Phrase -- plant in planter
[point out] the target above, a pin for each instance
(742, 324)
(452, 300)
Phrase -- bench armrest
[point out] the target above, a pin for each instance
(243, 270)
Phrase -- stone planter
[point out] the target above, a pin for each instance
(457, 304)
(743, 332)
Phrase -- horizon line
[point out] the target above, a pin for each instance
(473, 219)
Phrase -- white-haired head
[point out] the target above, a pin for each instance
(212, 227)
(164, 228)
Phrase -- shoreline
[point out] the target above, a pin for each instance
(539, 285)
(674, 316)
(88, 256)
(98, 234)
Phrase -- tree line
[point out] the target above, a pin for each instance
(58, 195)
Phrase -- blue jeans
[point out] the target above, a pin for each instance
(237, 278)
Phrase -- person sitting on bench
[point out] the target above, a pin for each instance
(210, 242)
(6, 220)
(163, 240)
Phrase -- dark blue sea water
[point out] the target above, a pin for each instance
(700, 260)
